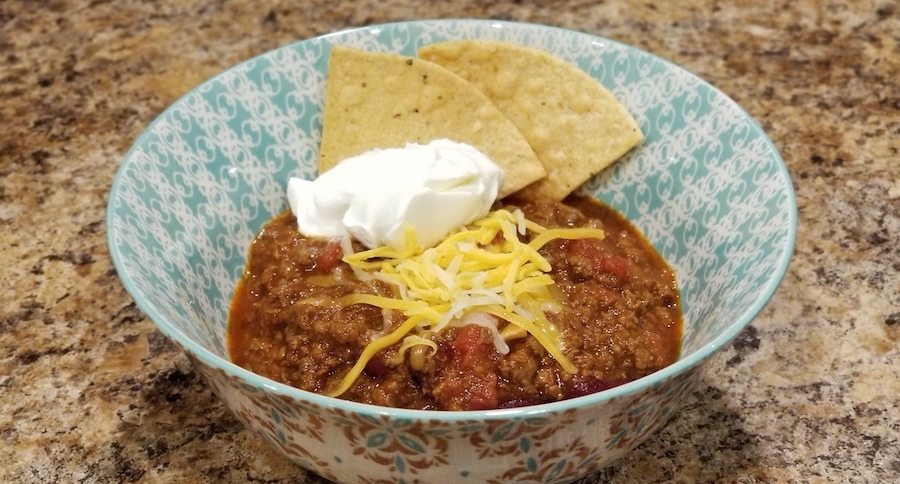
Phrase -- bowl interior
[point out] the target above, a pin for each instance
(707, 187)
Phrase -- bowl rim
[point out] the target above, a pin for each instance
(652, 380)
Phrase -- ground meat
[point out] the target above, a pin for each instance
(620, 320)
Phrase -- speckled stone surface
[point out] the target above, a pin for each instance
(91, 392)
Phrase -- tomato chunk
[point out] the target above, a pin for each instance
(470, 346)
(469, 381)
(600, 260)
(330, 256)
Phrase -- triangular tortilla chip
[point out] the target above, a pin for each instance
(376, 100)
(575, 125)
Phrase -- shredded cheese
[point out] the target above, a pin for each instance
(480, 274)
(409, 342)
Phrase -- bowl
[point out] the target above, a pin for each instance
(707, 188)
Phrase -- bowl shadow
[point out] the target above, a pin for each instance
(178, 430)
(706, 441)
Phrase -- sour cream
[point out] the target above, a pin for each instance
(374, 196)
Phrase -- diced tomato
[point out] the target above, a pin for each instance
(470, 347)
(469, 382)
(330, 256)
(615, 265)
(600, 260)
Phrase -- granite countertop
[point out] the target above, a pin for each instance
(90, 391)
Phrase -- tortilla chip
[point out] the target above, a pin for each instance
(575, 125)
(376, 100)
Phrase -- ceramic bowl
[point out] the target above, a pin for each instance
(707, 187)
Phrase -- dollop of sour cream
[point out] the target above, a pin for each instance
(374, 196)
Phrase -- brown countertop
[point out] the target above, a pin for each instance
(90, 391)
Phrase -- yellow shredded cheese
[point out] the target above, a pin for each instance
(409, 342)
(480, 273)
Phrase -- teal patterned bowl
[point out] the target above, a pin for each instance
(707, 187)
